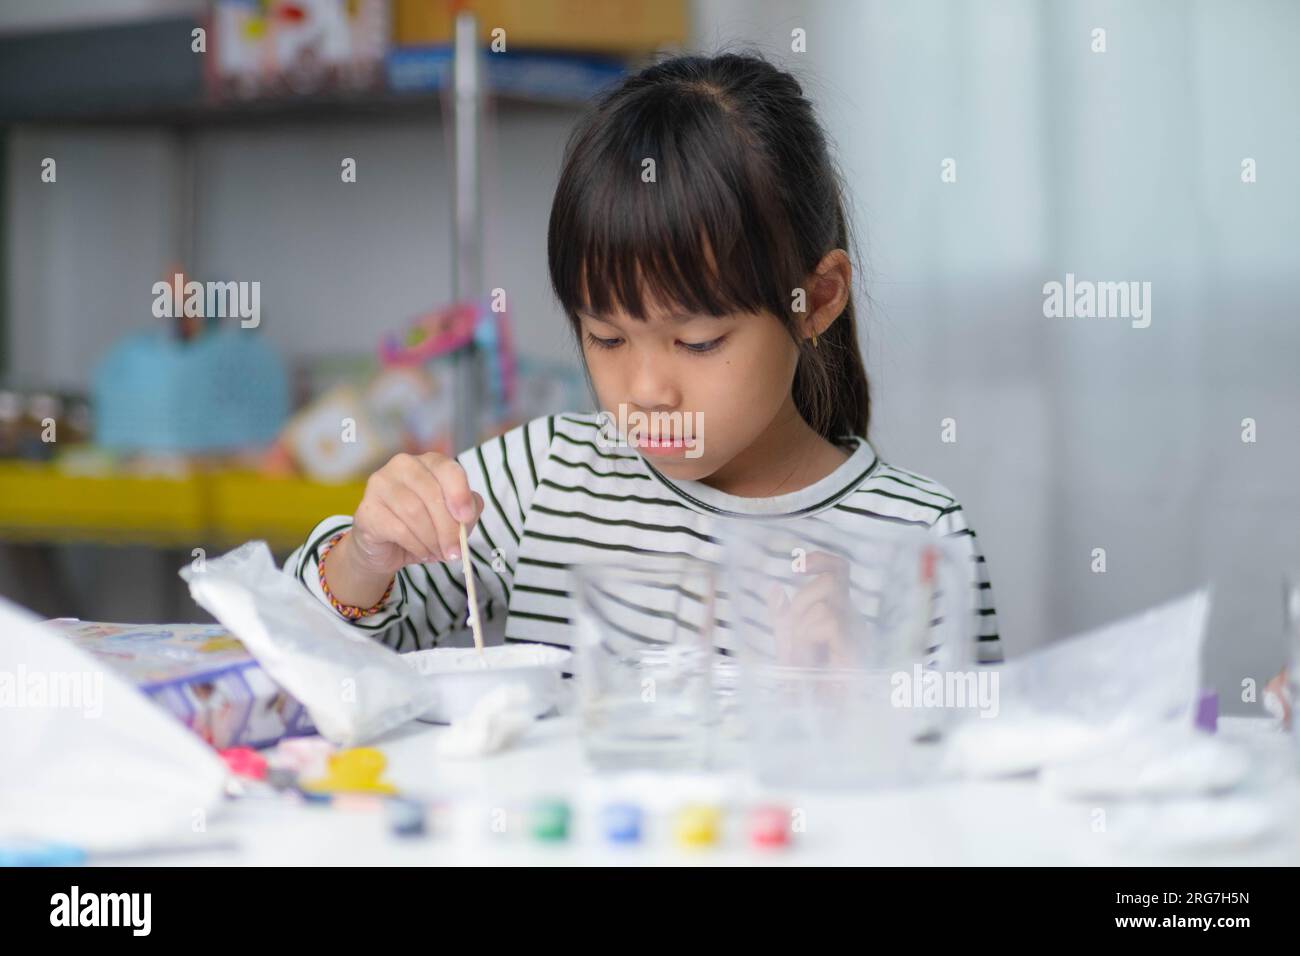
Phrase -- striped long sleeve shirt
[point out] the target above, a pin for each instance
(556, 497)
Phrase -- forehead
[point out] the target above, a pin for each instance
(654, 316)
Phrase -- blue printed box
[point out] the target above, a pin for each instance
(201, 674)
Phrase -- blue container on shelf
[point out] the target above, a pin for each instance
(224, 390)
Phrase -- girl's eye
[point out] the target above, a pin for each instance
(602, 343)
(701, 347)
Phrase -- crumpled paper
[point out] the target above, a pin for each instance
(355, 688)
(87, 759)
(1089, 694)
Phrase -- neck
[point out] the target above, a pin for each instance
(787, 456)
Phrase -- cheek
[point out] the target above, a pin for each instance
(604, 376)
(762, 373)
(734, 391)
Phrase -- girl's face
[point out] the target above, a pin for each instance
(704, 386)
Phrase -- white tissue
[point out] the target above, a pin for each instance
(1087, 694)
(1195, 824)
(117, 774)
(354, 687)
(1165, 762)
(496, 721)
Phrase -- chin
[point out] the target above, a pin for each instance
(683, 469)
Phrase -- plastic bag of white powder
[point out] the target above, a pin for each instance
(354, 687)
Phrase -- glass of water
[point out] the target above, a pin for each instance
(644, 649)
(853, 648)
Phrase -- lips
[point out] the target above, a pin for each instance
(663, 446)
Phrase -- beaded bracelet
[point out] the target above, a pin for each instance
(350, 611)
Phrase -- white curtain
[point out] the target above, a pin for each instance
(1077, 434)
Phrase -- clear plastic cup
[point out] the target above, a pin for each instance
(853, 649)
(644, 655)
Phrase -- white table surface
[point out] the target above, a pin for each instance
(1012, 821)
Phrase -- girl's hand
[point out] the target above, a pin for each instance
(410, 514)
(813, 628)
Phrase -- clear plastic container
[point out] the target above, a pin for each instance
(644, 646)
(853, 649)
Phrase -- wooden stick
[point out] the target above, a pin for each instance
(472, 590)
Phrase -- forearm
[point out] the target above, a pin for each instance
(349, 583)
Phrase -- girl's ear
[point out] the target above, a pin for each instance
(829, 288)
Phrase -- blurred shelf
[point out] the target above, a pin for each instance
(144, 74)
(133, 67)
(40, 503)
(246, 505)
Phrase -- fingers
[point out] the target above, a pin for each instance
(462, 504)
(424, 521)
(388, 556)
(786, 645)
(417, 504)
(823, 562)
(825, 588)
(808, 630)
(392, 527)
(443, 486)
(823, 636)
(457, 504)
(407, 491)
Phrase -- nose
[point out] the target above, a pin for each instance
(653, 386)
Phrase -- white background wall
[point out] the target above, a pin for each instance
(339, 263)
(1075, 434)
(1072, 434)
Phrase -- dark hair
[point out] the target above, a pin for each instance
(746, 202)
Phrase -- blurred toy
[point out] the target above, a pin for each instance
(185, 327)
(696, 825)
(336, 437)
(220, 391)
(447, 331)
(549, 820)
(347, 433)
(769, 826)
(419, 403)
(492, 336)
(546, 386)
(430, 335)
(245, 762)
(273, 47)
(363, 418)
(303, 756)
(353, 771)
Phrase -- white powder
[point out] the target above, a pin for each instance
(442, 660)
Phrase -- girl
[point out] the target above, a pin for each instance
(698, 244)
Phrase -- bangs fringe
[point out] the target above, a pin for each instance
(685, 242)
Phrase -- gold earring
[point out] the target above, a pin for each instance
(814, 337)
